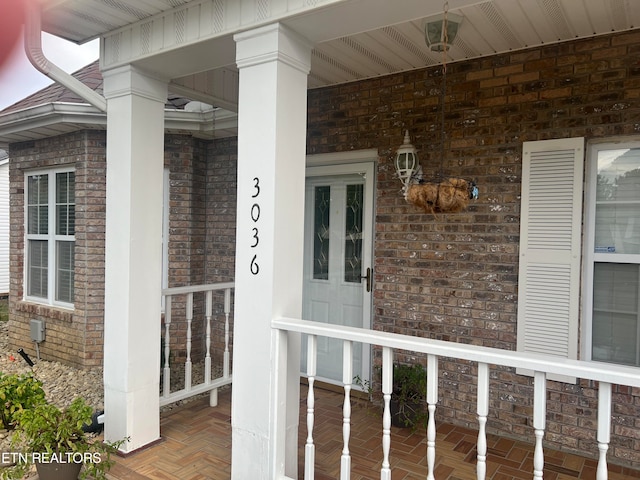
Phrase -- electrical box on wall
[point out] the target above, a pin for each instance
(37, 330)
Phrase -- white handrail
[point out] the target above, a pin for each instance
(197, 288)
(540, 365)
(599, 371)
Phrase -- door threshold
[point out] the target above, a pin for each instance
(332, 387)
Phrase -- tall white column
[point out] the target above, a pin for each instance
(274, 63)
(135, 145)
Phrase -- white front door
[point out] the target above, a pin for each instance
(337, 260)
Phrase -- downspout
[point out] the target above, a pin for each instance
(33, 49)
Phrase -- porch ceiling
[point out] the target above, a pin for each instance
(349, 47)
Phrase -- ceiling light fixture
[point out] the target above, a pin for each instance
(441, 31)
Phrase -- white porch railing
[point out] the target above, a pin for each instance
(484, 357)
(208, 383)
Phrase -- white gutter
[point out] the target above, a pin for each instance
(33, 123)
(33, 49)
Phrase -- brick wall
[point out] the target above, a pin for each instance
(221, 230)
(72, 336)
(186, 159)
(201, 234)
(450, 277)
(454, 276)
(76, 336)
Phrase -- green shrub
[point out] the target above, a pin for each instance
(409, 396)
(17, 393)
(47, 429)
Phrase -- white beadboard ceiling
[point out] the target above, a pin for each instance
(488, 27)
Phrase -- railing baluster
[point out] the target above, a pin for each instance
(542, 366)
(387, 388)
(310, 448)
(222, 373)
(227, 310)
(208, 313)
(604, 428)
(432, 399)
(347, 379)
(187, 363)
(166, 376)
(539, 420)
(483, 411)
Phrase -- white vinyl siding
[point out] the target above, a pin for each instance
(550, 247)
(4, 227)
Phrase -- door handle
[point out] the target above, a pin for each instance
(368, 277)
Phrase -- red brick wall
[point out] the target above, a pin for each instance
(454, 276)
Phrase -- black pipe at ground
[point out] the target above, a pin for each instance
(24, 355)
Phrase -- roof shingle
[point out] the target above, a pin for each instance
(91, 76)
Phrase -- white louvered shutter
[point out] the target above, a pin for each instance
(550, 247)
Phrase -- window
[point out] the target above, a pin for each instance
(550, 283)
(50, 241)
(612, 263)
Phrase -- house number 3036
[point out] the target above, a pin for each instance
(255, 217)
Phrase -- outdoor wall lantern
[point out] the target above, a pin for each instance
(406, 161)
(441, 31)
(434, 195)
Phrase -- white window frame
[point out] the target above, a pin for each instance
(590, 256)
(51, 237)
(166, 190)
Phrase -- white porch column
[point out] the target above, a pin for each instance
(274, 64)
(135, 158)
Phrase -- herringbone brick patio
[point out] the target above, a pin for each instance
(196, 445)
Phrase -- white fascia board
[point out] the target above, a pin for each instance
(213, 123)
(33, 116)
(55, 113)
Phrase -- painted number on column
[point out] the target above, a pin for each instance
(255, 216)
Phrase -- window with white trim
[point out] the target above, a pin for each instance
(612, 261)
(50, 240)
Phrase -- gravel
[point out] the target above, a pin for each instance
(61, 383)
